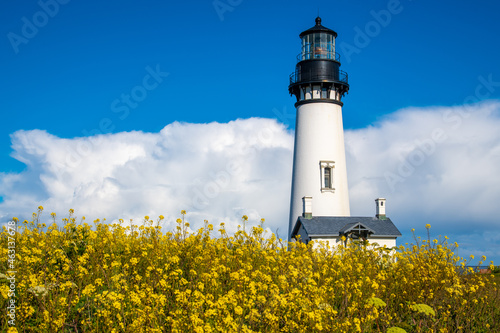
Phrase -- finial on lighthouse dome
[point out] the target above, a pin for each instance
(318, 28)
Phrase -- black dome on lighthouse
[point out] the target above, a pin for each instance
(318, 28)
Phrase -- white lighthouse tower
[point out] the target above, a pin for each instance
(319, 180)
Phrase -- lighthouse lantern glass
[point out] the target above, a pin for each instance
(318, 46)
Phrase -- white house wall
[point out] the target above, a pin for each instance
(332, 242)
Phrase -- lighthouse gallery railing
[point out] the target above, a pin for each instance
(297, 76)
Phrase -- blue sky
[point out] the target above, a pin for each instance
(66, 77)
(218, 61)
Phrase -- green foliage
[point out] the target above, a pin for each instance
(395, 330)
(424, 309)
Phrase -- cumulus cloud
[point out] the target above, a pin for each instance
(217, 172)
(436, 165)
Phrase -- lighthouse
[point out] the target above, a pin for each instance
(319, 164)
(319, 204)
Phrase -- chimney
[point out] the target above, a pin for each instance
(380, 205)
(307, 207)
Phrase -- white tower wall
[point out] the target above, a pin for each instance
(319, 137)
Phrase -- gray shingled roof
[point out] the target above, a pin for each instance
(333, 225)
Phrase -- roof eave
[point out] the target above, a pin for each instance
(371, 236)
(296, 228)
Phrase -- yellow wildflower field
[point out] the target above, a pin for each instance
(103, 277)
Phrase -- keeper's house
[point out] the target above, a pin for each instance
(331, 229)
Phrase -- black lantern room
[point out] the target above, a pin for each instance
(317, 77)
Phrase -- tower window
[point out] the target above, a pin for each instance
(327, 176)
(328, 172)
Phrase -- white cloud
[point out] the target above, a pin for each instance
(214, 171)
(429, 165)
(436, 165)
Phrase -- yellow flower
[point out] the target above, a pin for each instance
(138, 276)
(88, 290)
(117, 305)
(427, 226)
